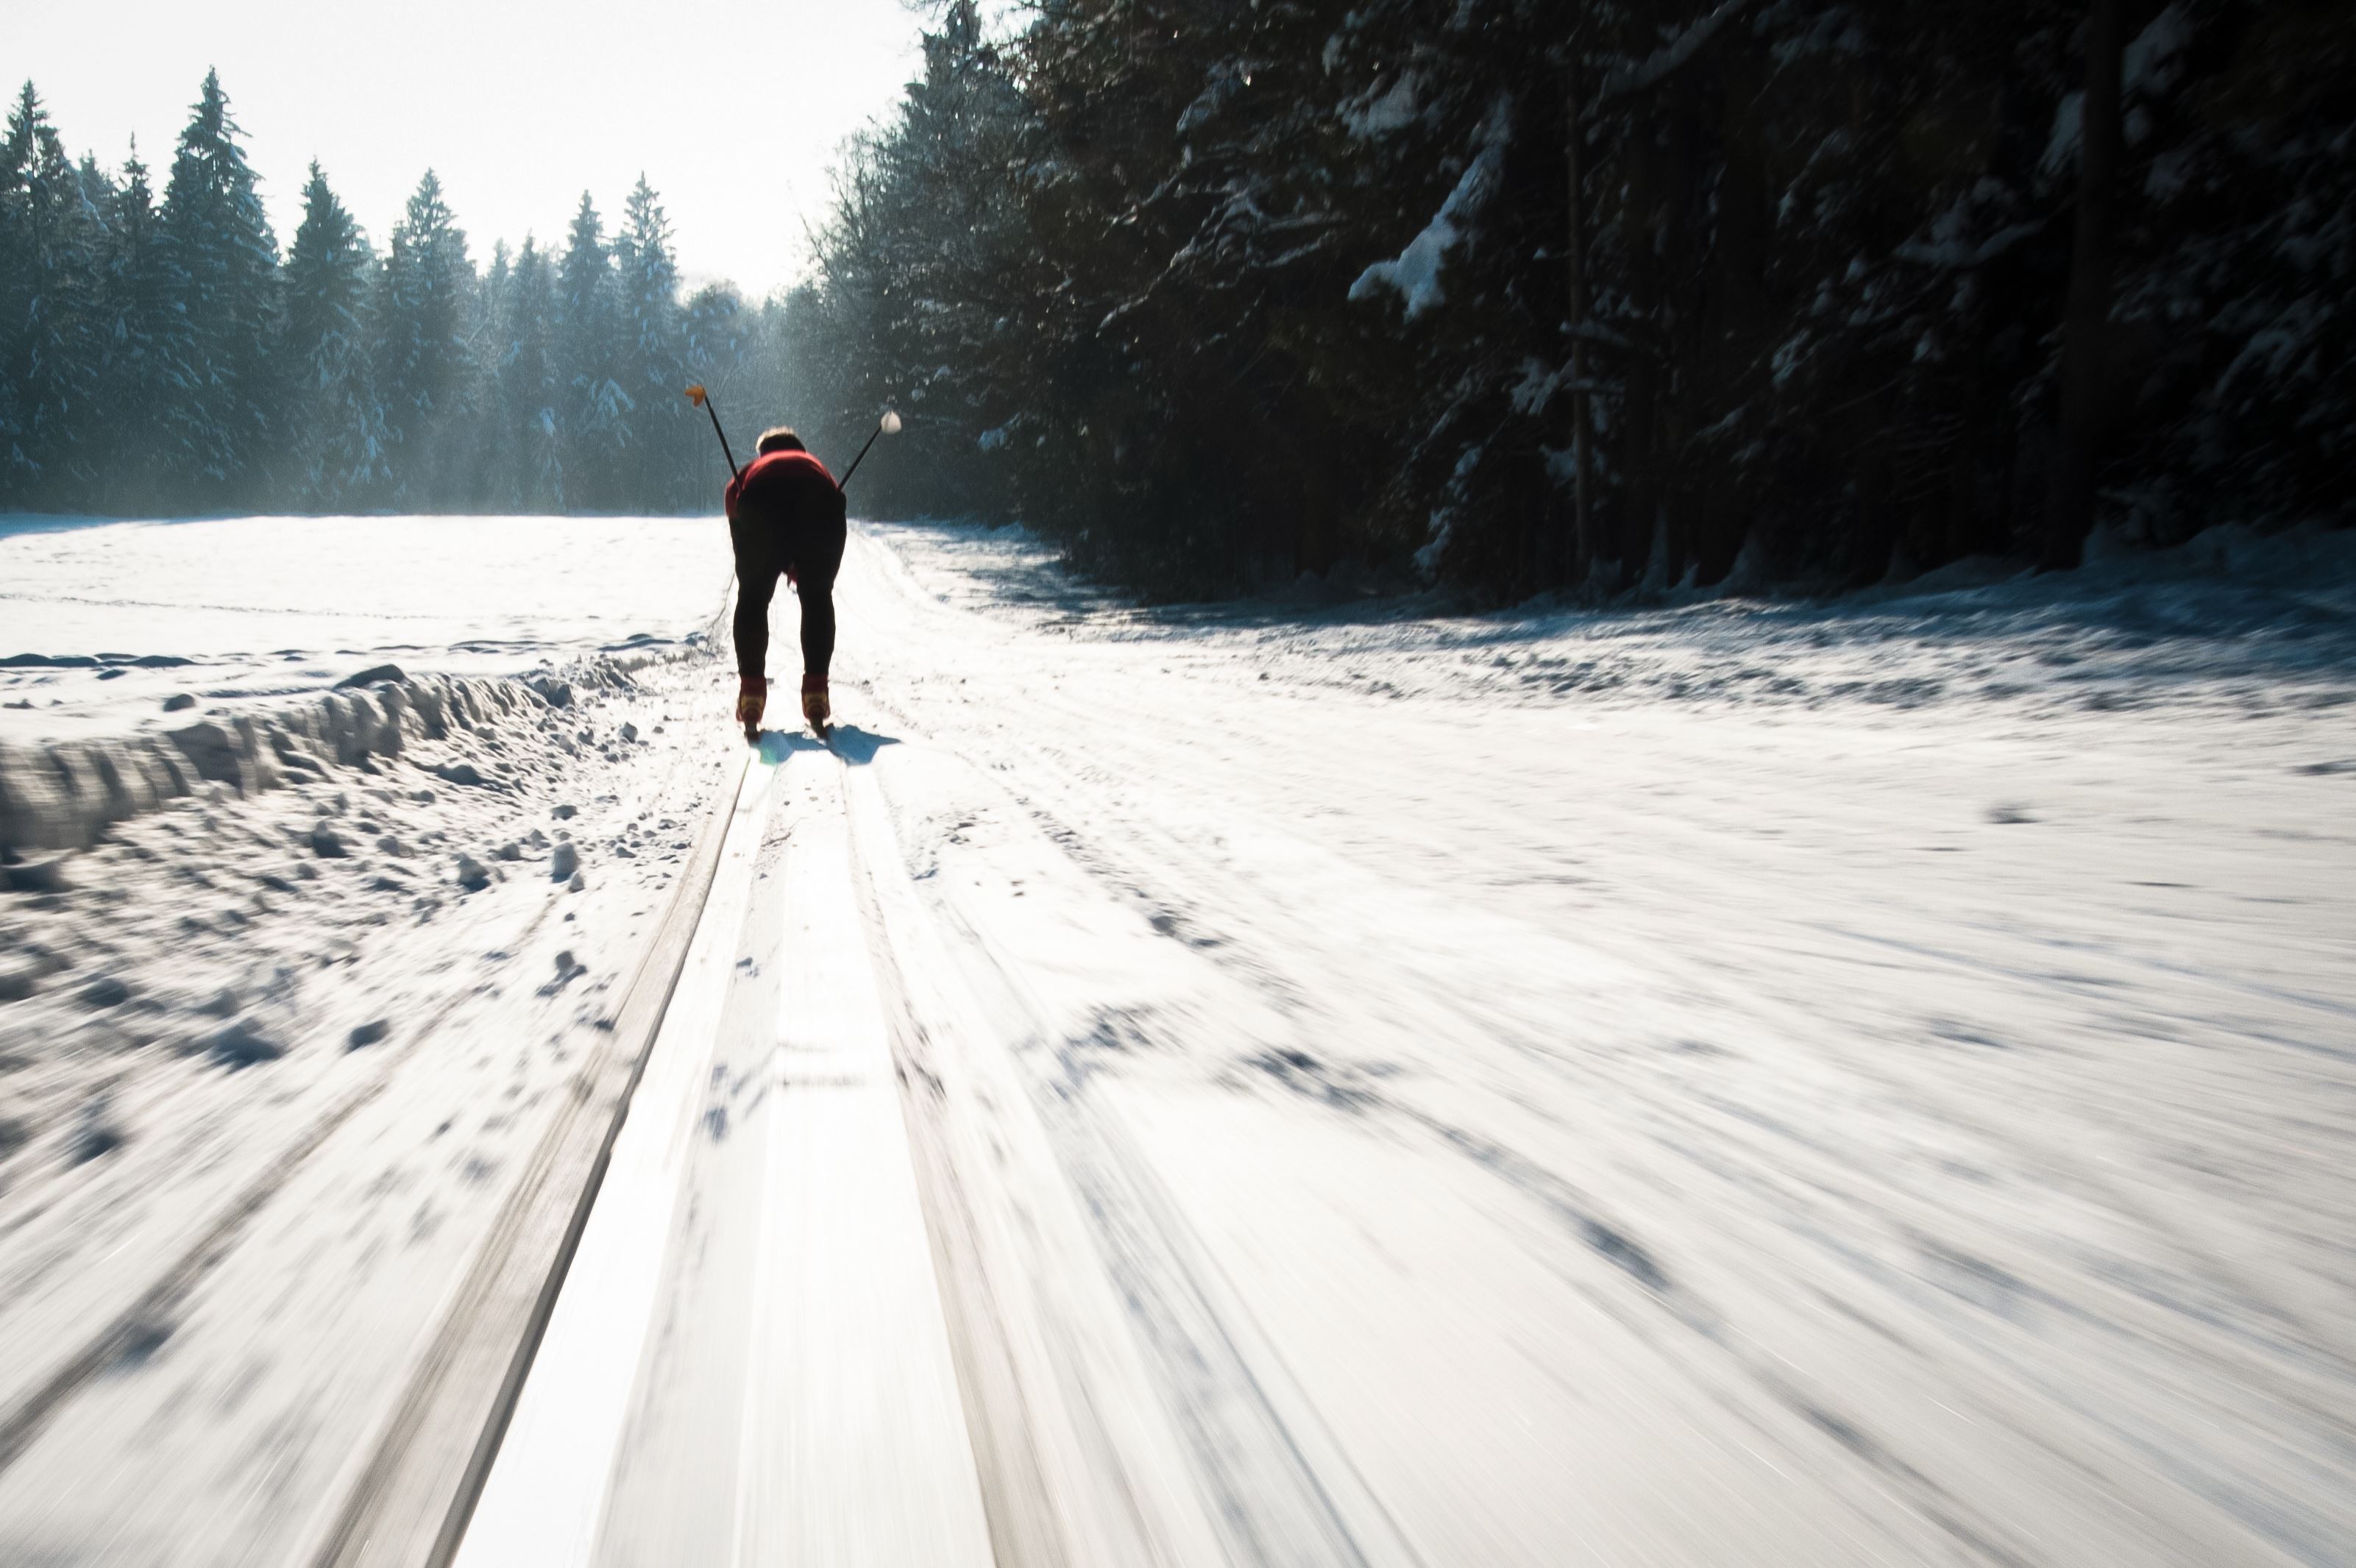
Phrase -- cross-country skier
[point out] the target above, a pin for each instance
(785, 514)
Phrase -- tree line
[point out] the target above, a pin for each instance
(157, 353)
(1599, 295)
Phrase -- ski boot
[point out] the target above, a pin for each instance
(815, 708)
(752, 698)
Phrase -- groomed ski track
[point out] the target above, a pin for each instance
(1039, 1165)
(757, 1253)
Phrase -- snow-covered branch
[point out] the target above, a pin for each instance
(1948, 255)
(1669, 57)
(1415, 272)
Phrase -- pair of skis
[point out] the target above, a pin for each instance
(825, 732)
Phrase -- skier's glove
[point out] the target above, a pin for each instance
(814, 705)
(751, 696)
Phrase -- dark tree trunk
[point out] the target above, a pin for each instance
(1640, 407)
(1575, 268)
(2070, 506)
(1741, 225)
(1680, 217)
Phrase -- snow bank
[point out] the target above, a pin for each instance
(2234, 620)
(64, 794)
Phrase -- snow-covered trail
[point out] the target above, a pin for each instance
(1388, 1119)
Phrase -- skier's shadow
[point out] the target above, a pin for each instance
(854, 745)
(858, 746)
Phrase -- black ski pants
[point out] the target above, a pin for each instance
(805, 540)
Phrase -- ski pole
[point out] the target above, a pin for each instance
(702, 399)
(887, 425)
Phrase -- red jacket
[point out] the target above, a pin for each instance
(777, 482)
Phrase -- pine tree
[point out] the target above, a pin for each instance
(223, 248)
(595, 415)
(715, 331)
(651, 370)
(930, 280)
(16, 284)
(523, 471)
(470, 454)
(145, 375)
(335, 428)
(424, 368)
(47, 342)
(716, 335)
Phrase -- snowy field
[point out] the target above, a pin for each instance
(1729, 1081)
(231, 609)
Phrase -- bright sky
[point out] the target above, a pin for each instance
(733, 108)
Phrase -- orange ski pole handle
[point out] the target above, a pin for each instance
(702, 399)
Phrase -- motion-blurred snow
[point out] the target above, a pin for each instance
(1713, 1079)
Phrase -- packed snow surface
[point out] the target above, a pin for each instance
(1720, 1080)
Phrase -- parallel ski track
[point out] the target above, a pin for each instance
(23, 1423)
(406, 1505)
(1068, 791)
(1284, 1491)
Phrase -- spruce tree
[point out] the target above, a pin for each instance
(224, 250)
(521, 470)
(334, 427)
(15, 287)
(648, 283)
(594, 415)
(14, 274)
(145, 375)
(48, 345)
(479, 455)
(533, 317)
(424, 364)
(715, 333)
